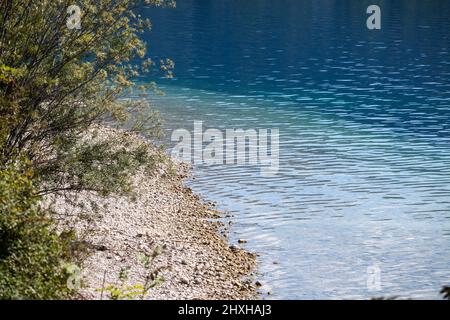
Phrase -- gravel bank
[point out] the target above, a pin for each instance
(197, 262)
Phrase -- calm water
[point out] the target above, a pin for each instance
(364, 120)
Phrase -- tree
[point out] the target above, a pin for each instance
(56, 82)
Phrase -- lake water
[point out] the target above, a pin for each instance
(364, 120)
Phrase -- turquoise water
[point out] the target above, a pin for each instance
(364, 120)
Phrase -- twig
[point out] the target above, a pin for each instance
(103, 285)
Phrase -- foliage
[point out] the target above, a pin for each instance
(55, 82)
(123, 291)
(31, 255)
(151, 279)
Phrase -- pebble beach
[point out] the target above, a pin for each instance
(197, 261)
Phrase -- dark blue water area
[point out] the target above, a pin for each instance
(364, 121)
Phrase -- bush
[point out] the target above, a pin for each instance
(55, 82)
(31, 255)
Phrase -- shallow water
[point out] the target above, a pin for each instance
(364, 120)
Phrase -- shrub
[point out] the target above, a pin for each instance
(31, 254)
(56, 81)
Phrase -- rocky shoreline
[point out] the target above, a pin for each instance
(197, 261)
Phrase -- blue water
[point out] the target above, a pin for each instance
(364, 120)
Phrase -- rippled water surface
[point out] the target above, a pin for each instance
(364, 120)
